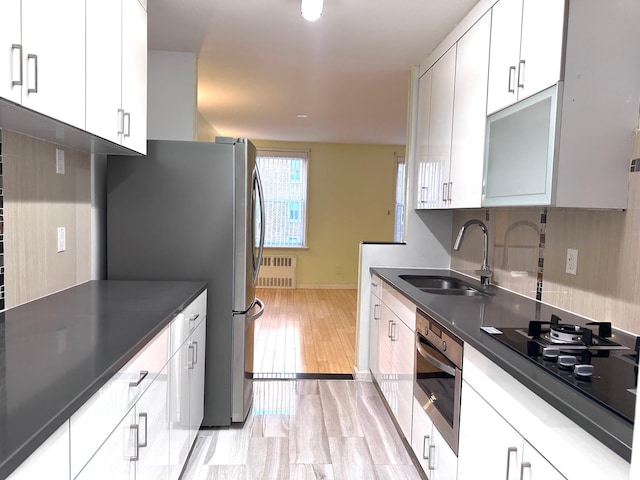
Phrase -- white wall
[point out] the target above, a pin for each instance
(172, 92)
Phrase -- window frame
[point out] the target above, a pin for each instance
(303, 210)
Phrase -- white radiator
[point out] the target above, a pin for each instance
(277, 271)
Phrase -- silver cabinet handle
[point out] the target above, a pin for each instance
(33, 57)
(394, 331)
(143, 375)
(389, 328)
(127, 116)
(18, 47)
(143, 444)
(444, 192)
(193, 349)
(512, 70)
(423, 194)
(523, 465)
(450, 191)
(432, 457)
(136, 456)
(120, 121)
(521, 74)
(425, 456)
(194, 317)
(376, 312)
(510, 450)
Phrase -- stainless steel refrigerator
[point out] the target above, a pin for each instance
(195, 211)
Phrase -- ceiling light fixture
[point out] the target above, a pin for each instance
(303, 115)
(311, 9)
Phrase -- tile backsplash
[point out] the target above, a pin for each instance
(525, 254)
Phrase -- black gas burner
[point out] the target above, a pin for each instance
(586, 359)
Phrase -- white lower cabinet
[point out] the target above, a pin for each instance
(50, 460)
(437, 459)
(195, 347)
(116, 457)
(491, 448)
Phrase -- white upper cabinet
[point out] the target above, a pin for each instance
(117, 72)
(11, 74)
(424, 197)
(104, 69)
(53, 56)
(134, 75)
(469, 116)
(526, 49)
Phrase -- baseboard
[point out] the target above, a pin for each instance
(324, 286)
(362, 375)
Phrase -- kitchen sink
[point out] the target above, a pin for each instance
(441, 285)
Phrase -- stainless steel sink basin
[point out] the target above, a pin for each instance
(442, 285)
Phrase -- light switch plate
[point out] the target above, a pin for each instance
(572, 261)
(62, 241)
(59, 161)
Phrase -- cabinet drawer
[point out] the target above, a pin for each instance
(97, 418)
(400, 305)
(187, 321)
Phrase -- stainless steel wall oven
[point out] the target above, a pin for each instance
(438, 376)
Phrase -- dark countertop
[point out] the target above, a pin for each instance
(465, 315)
(56, 352)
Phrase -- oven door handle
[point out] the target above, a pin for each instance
(441, 365)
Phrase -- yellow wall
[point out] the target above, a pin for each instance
(351, 198)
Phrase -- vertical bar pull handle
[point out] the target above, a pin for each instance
(127, 120)
(512, 72)
(432, 457)
(444, 192)
(18, 47)
(376, 312)
(144, 443)
(510, 450)
(423, 193)
(521, 74)
(195, 353)
(389, 329)
(450, 191)
(33, 57)
(425, 452)
(135, 429)
(120, 121)
(524, 465)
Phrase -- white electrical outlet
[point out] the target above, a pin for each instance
(62, 241)
(59, 161)
(572, 261)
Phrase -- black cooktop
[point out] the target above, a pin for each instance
(614, 371)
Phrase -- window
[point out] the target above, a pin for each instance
(284, 181)
(401, 182)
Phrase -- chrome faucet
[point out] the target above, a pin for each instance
(485, 271)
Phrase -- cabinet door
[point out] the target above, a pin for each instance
(535, 467)
(50, 460)
(387, 382)
(440, 127)
(104, 69)
(403, 355)
(421, 437)
(196, 345)
(541, 46)
(506, 18)
(54, 32)
(152, 416)
(470, 116)
(178, 411)
(134, 75)
(375, 307)
(10, 56)
(487, 442)
(116, 458)
(424, 197)
(446, 462)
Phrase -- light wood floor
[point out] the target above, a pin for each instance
(306, 331)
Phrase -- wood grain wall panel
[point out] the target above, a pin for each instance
(36, 202)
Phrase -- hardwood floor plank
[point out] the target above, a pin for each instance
(306, 331)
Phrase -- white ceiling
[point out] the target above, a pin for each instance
(260, 63)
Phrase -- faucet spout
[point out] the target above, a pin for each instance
(485, 271)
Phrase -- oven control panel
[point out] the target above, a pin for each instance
(440, 337)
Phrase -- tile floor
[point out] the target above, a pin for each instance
(306, 429)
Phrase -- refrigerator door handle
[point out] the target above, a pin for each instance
(257, 195)
(258, 314)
